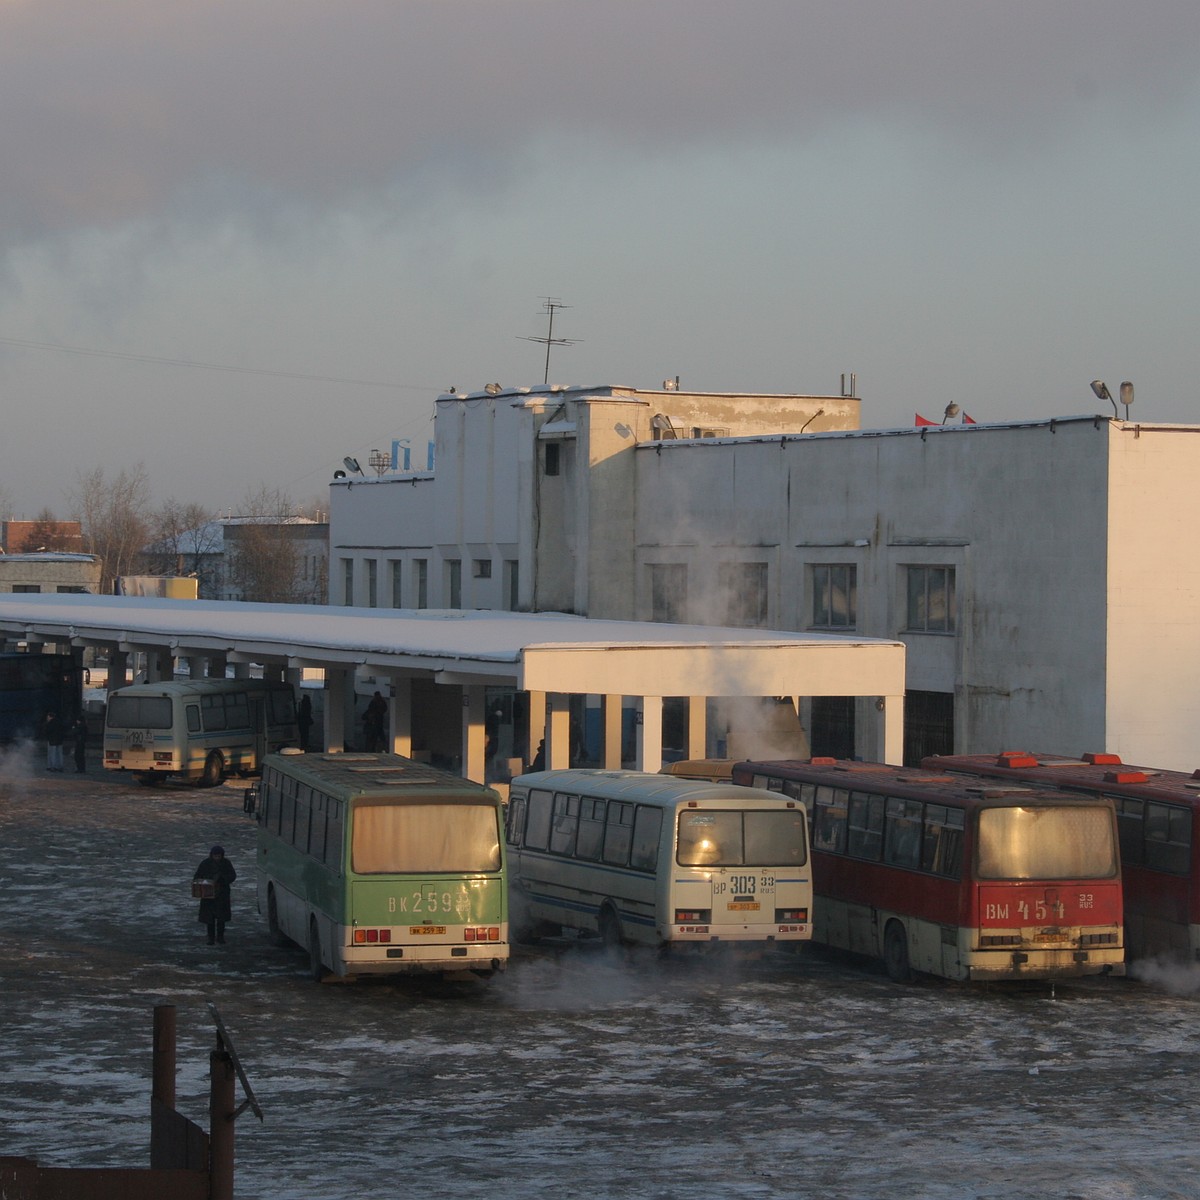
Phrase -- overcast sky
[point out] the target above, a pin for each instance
(341, 208)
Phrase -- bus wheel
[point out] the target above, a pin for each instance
(316, 969)
(610, 929)
(895, 953)
(274, 933)
(214, 770)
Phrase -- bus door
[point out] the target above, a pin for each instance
(258, 723)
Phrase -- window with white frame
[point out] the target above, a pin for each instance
(931, 603)
(421, 570)
(397, 573)
(454, 583)
(348, 581)
(834, 595)
(372, 582)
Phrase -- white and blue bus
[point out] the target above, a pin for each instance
(198, 730)
(378, 865)
(656, 860)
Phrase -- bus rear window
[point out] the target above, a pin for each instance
(398, 839)
(139, 712)
(1046, 843)
(742, 839)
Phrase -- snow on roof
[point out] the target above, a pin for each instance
(544, 647)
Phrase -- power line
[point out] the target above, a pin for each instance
(208, 366)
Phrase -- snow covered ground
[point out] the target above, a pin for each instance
(570, 1076)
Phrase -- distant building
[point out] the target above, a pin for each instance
(50, 571)
(280, 559)
(1044, 575)
(31, 537)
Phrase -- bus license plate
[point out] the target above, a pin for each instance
(416, 930)
(743, 906)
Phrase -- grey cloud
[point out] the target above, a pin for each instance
(137, 109)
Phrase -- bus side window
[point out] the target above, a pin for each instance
(537, 823)
(193, 718)
(237, 711)
(1168, 837)
(303, 823)
(316, 844)
(942, 841)
(591, 829)
(618, 830)
(647, 830)
(287, 823)
(829, 825)
(1131, 831)
(516, 821)
(564, 824)
(864, 838)
(902, 838)
(335, 829)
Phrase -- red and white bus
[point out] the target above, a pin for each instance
(1158, 823)
(966, 879)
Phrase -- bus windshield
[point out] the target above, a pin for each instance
(741, 838)
(396, 839)
(139, 712)
(1046, 843)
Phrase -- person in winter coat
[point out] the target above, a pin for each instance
(52, 729)
(215, 911)
(79, 743)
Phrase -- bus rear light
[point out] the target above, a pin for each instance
(1098, 939)
(1000, 939)
(693, 929)
(112, 756)
(488, 933)
(371, 937)
(792, 929)
(162, 756)
(691, 916)
(792, 915)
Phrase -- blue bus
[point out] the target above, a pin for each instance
(33, 684)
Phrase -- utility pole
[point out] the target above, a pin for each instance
(551, 306)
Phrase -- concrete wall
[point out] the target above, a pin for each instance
(50, 572)
(1153, 634)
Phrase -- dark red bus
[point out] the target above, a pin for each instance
(1156, 821)
(968, 879)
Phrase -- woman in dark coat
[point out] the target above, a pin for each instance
(215, 911)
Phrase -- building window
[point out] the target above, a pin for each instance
(27, 587)
(668, 591)
(931, 600)
(743, 589)
(421, 567)
(835, 595)
(397, 594)
(481, 568)
(512, 584)
(553, 458)
(372, 583)
(348, 581)
(454, 583)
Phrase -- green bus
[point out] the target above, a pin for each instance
(378, 865)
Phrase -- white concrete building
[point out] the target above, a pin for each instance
(1045, 576)
(55, 571)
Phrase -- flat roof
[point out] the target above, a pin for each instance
(548, 652)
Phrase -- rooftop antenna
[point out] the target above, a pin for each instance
(551, 306)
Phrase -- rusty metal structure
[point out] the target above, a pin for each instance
(185, 1162)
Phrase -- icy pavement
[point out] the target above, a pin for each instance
(570, 1076)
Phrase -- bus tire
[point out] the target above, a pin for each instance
(895, 953)
(610, 929)
(274, 934)
(214, 770)
(316, 969)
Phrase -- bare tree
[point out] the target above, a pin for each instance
(186, 541)
(264, 561)
(113, 515)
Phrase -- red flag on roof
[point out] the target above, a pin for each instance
(968, 420)
(923, 420)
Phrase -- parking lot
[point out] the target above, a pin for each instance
(570, 1075)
